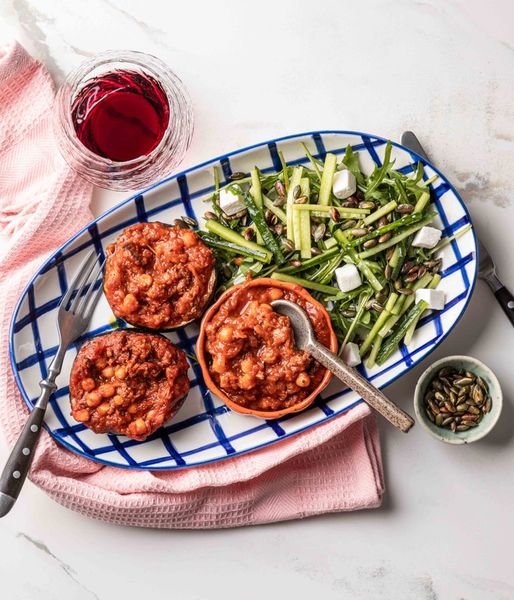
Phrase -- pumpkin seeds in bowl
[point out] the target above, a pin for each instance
(458, 399)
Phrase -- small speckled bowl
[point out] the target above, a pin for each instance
(488, 421)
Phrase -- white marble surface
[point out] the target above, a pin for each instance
(256, 71)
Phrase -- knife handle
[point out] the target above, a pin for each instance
(506, 300)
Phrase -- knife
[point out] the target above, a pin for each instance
(486, 266)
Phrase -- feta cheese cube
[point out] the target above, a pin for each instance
(434, 298)
(348, 278)
(427, 237)
(351, 355)
(344, 184)
(230, 203)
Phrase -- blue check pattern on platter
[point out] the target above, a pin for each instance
(205, 430)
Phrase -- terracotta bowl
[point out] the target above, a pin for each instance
(202, 354)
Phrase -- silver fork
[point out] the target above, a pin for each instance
(73, 317)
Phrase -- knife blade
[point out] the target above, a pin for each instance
(486, 266)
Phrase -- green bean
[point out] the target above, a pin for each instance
(237, 249)
(260, 223)
(329, 169)
(396, 337)
(310, 285)
(380, 212)
(311, 262)
(382, 318)
(227, 234)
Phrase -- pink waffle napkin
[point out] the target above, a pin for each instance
(333, 467)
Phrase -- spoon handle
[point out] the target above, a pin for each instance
(359, 384)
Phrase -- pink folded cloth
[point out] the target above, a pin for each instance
(333, 467)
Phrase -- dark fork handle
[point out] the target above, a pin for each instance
(506, 301)
(15, 471)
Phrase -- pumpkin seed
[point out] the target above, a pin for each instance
(406, 291)
(374, 305)
(382, 296)
(210, 215)
(367, 204)
(248, 234)
(429, 264)
(437, 385)
(349, 313)
(334, 214)
(181, 224)
(462, 427)
(301, 200)
(404, 209)
(319, 232)
(422, 272)
(238, 175)
(464, 381)
(279, 188)
(287, 244)
(482, 384)
(385, 237)
(348, 224)
(315, 251)
(296, 192)
(359, 232)
(238, 215)
(468, 417)
(351, 202)
(478, 394)
(271, 217)
(370, 243)
(295, 263)
(411, 277)
(434, 407)
(407, 266)
(190, 221)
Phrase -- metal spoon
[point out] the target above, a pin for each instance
(305, 340)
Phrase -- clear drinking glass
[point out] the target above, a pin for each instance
(145, 169)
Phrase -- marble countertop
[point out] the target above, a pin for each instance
(444, 69)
